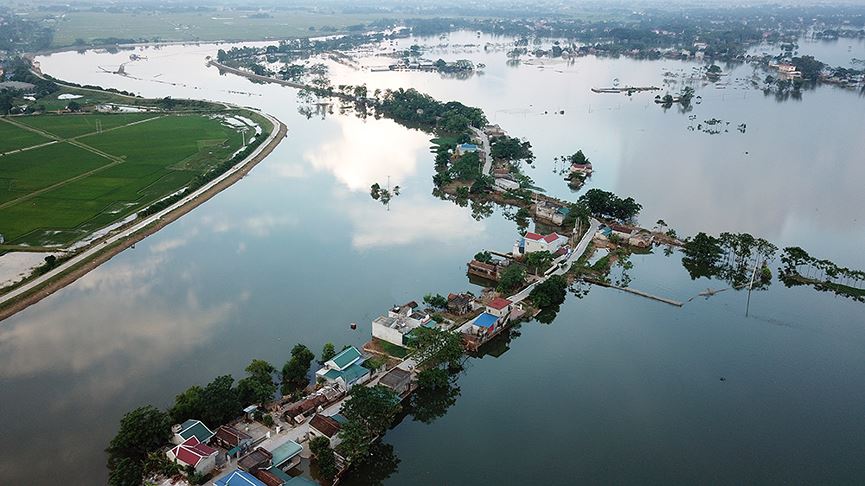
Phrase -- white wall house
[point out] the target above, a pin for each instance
(399, 321)
(552, 242)
(506, 184)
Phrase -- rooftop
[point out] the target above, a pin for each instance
(286, 452)
(486, 320)
(195, 428)
(191, 451)
(255, 459)
(230, 435)
(395, 377)
(499, 303)
(239, 478)
(349, 374)
(533, 236)
(324, 424)
(551, 237)
(346, 357)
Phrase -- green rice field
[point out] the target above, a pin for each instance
(55, 194)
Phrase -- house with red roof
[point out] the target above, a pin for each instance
(499, 307)
(193, 453)
(533, 242)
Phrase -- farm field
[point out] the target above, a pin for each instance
(75, 125)
(56, 194)
(13, 138)
(200, 26)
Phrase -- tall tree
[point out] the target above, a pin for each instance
(295, 369)
(187, 405)
(142, 430)
(222, 401)
(369, 412)
(328, 351)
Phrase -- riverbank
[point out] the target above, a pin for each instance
(32, 291)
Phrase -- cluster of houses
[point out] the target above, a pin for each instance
(636, 237)
(198, 447)
(550, 211)
(400, 321)
(263, 458)
(496, 316)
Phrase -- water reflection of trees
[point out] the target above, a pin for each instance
(734, 258)
(376, 467)
(429, 403)
(800, 268)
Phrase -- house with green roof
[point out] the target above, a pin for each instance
(191, 428)
(287, 455)
(345, 369)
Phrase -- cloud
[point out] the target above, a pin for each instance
(286, 171)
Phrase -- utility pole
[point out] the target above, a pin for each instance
(751, 285)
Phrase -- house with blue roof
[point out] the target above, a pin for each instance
(239, 478)
(345, 369)
(465, 148)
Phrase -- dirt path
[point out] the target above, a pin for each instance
(20, 302)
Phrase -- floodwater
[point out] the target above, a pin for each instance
(617, 388)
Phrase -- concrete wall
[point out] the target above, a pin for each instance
(388, 334)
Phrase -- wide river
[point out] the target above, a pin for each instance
(617, 389)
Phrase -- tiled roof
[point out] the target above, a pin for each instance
(349, 374)
(551, 237)
(325, 425)
(346, 357)
(195, 428)
(533, 236)
(285, 452)
(255, 458)
(230, 435)
(239, 478)
(395, 378)
(499, 303)
(268, 478)
(191, 452)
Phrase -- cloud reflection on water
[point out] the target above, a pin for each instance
(363, 153)
(146, 332)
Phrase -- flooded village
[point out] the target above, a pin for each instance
(467, 216)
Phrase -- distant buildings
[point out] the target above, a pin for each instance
(465, 148)
(551, 212)
(489, 271)
(494, 131)
(506, 184)
(345, 369)
(637, 237)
